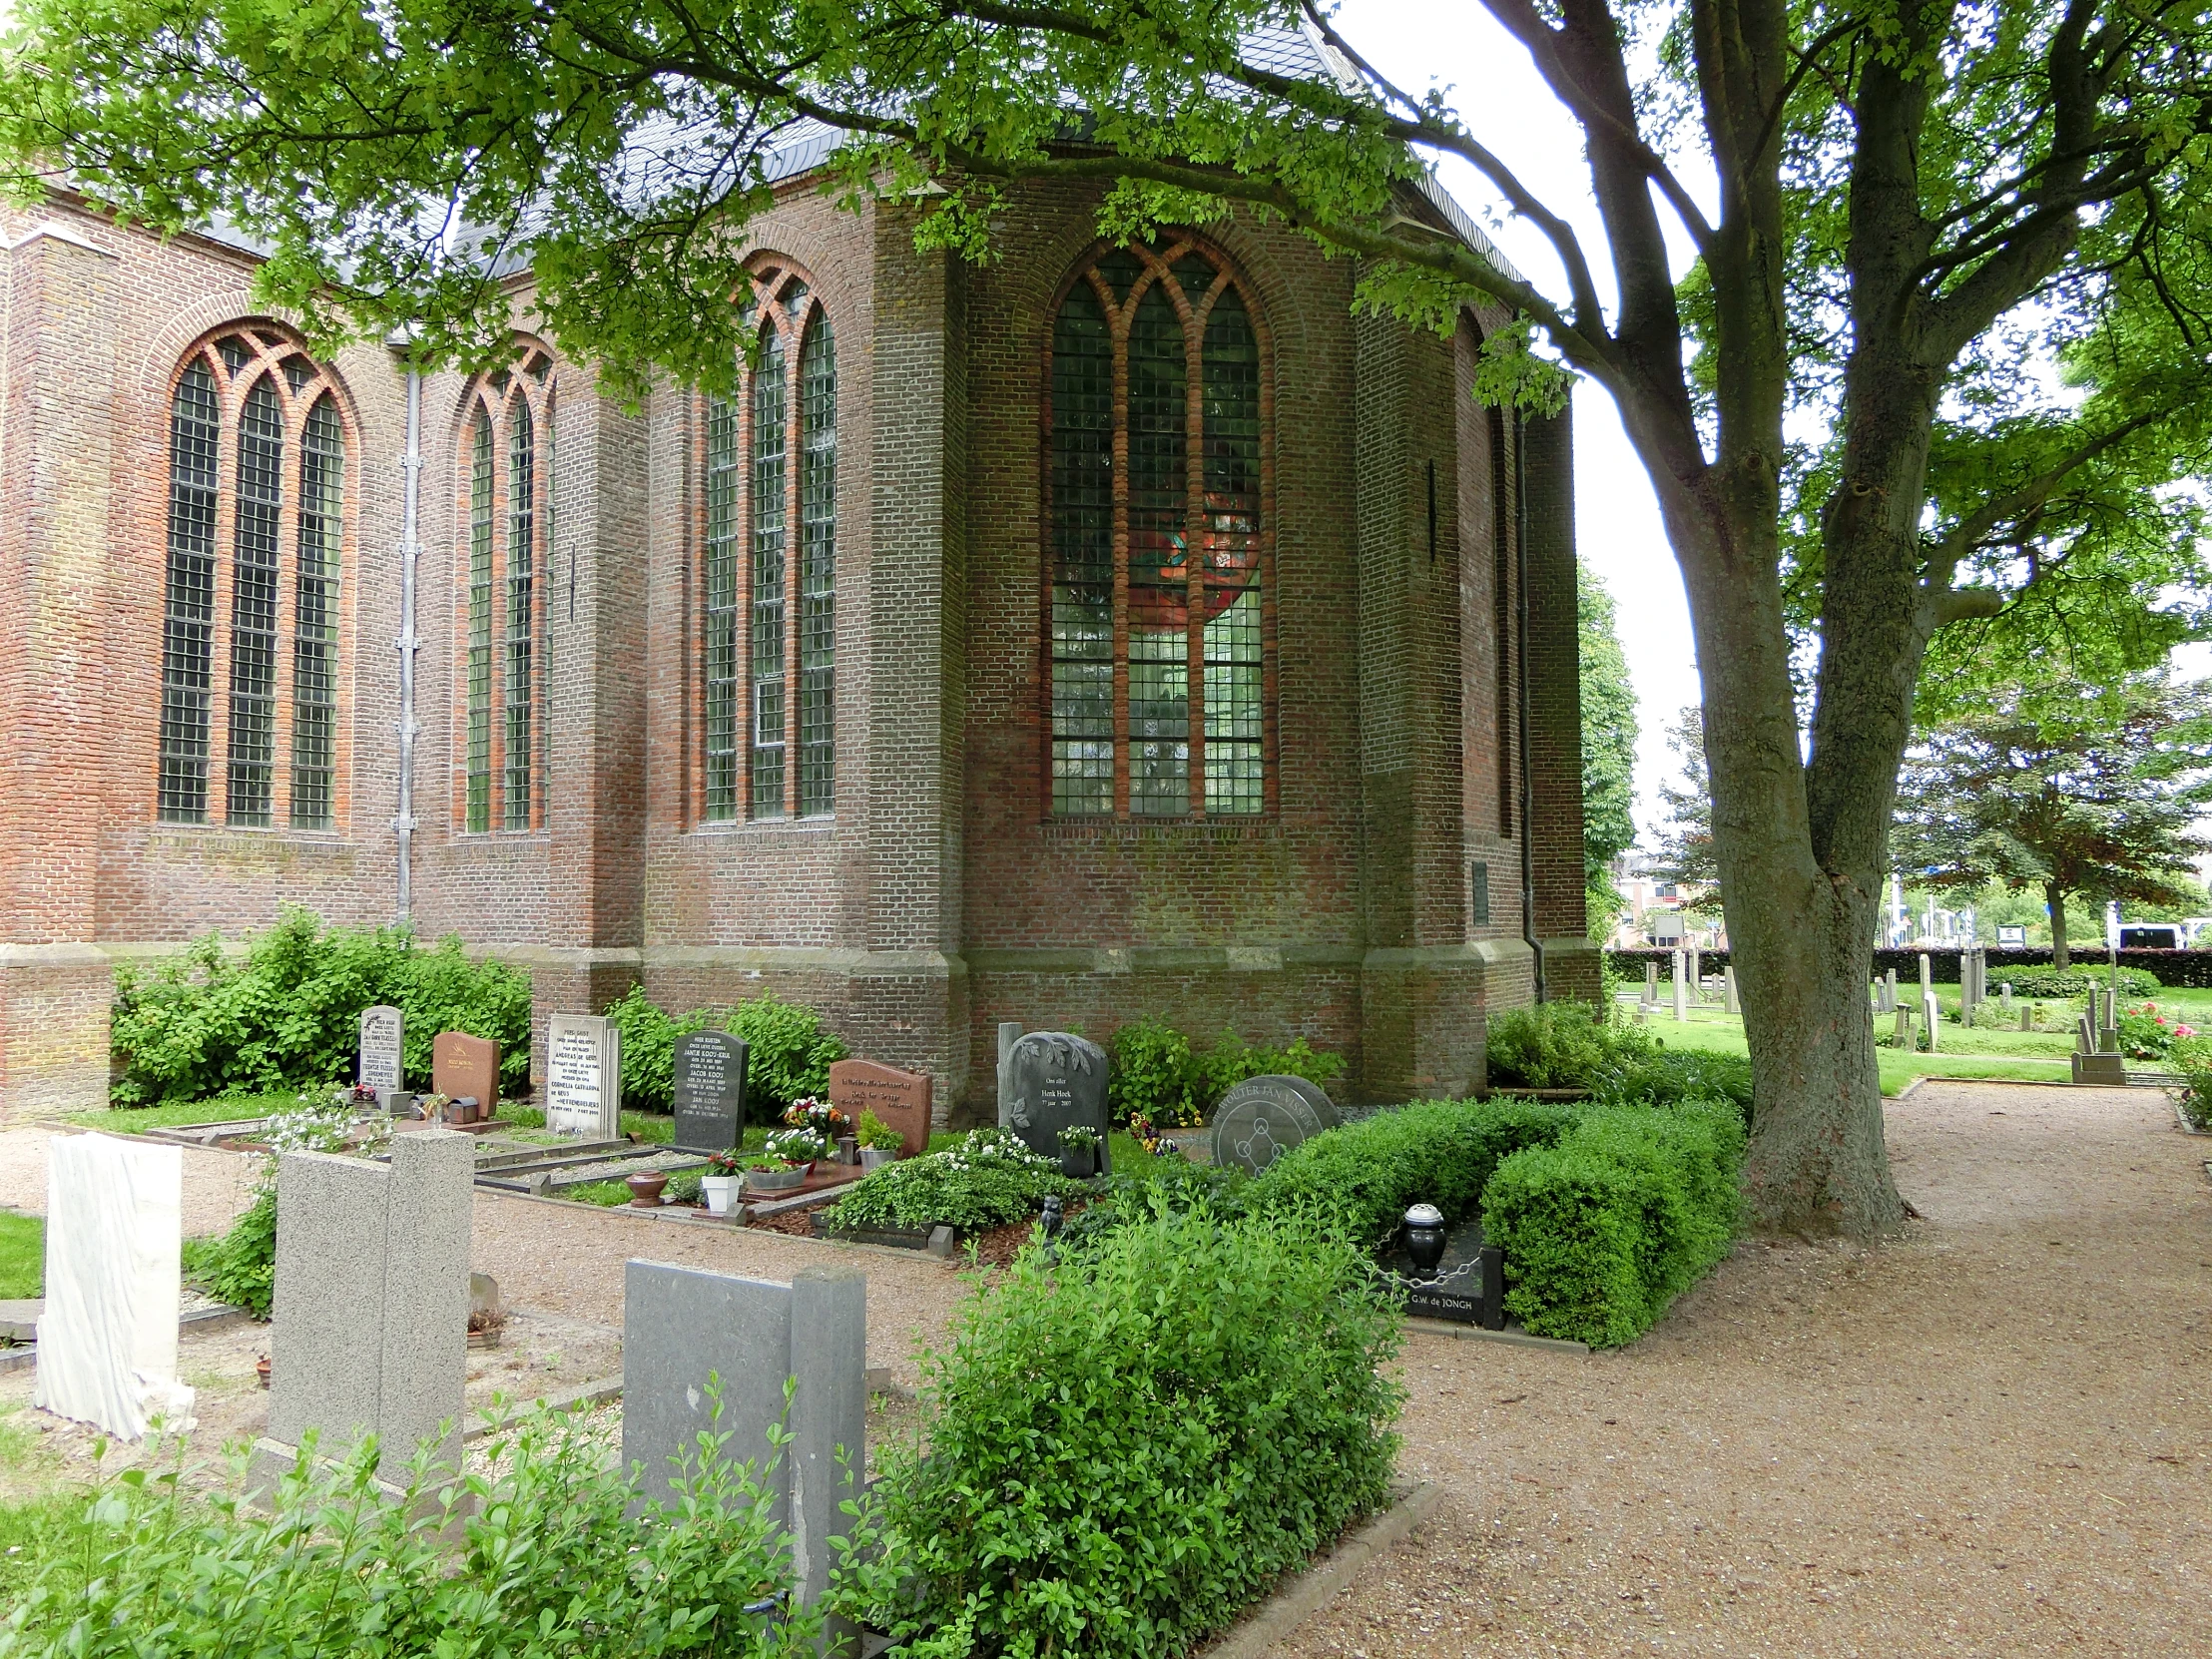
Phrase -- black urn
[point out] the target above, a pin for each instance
(1425, 1237)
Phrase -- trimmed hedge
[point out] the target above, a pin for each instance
(1362, 1176)
(1610, 1223)
(1129, 1447)
(2176, 969)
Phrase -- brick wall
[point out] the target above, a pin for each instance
(940, 897)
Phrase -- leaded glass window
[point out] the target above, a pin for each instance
(256, 524)
(768, 589)
(769, 450)
(315, 640)
(522, 485)
(507, 499)
(482, 478)
(1158, 546)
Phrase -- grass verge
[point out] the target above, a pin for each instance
(22, 1258)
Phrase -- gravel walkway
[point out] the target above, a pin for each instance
(1993, 1438)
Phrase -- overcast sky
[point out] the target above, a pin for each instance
(1499, 93)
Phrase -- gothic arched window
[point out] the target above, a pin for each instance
(257, 537)
(1158, 539)
(768, 607)
(507, 500)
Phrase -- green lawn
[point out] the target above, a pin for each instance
(222, 1109)
(2039, 1056)
(22, 1258)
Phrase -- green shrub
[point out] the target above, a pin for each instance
(682, 1189)
(988, 1179)
(557, 1558)
(2078, 980)
(1360, 1178)
(1674, 1075)
(2192, 1058)
(288, 1014)
(1154, 1076)
(1128, 1448)
(22, 1258)
(1604, 1228)
(1563, 1045)
(649, 1049)
(240, 1267)
(787, 1054)
(1159, 1073)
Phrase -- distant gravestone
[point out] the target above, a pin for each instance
(583, 1076)
(382, 1029)
(1263, 1117)
(899, 1099)
(1055, 1081)
(463, 1065)
(710, 1091)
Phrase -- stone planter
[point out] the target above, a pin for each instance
(875, 1157)
(776, 1181)
(645, 1188)
(718, 1190)
(1079, 1163)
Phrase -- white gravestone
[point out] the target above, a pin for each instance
(107, 1340)
(1681, 989)
(583, 1076)
(381, 1033)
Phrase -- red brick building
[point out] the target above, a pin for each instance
(1095, 633)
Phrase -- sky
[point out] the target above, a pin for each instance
(1507, 107)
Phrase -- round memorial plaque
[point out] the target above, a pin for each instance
(1263, 1117)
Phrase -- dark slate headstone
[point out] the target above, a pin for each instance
(710, 1091)
(1263, 1117)
(1054, 1082)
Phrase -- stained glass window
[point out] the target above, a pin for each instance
(1157, 541)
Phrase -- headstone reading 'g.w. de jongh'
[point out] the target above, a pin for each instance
(381, 1047)
(583, 1075)
(1055, 1081)
(463, 1067)
(899, 1099)
(1263, 1117)
(710, 1091)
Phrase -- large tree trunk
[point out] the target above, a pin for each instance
(2054, 896)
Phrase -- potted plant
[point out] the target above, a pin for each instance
(773, 1175)
(721, 1181)
(880, 1142)
(802, 1146)
(1079, 1152)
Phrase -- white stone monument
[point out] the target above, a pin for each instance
(381, 1033)
(583, 1076)
(107, 1340)
(1681, 989)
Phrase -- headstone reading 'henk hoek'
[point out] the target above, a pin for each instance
(899, 1099)
(710, 1091)
(381, 1047)
(1054, 1082)
(583, 1075)
(1263, 1117)
(465, 1066)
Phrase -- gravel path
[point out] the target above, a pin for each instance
(1993, 1438)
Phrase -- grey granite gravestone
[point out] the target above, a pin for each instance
(1055, 1081)
(684, 1327)
(381, 1033)
(583, 1076)
(1262, 1118)
(710, 1091)
(370, 1328)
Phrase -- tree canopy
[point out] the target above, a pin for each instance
(1958, 243)
(2067, 789)
(1608, 748)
